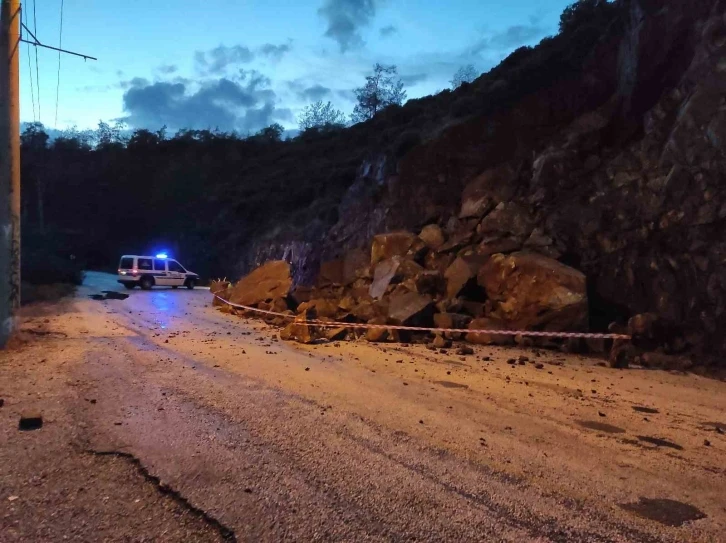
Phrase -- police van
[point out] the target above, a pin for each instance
(151, 271)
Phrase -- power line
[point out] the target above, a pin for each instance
(60, 46)
(37, 71)
(30, 69)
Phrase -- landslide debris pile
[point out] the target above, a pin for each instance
(459, 281)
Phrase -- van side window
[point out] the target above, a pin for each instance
(174, 266)
(144, 263)
(159, 265)
(126, 263)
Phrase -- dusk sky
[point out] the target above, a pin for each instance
(245, 64)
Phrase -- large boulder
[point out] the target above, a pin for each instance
(507, 219)
(354, 263)
(269, 281)
(386, 246)
(320, 307)
(410, 308)
(530, 291)
(366, 310)
(432, 236)
(302, 293)
(383, 274)
(430, 282)
(331, 273)
(379, 333)
(451, 320)
(461, 273)
(484, 192)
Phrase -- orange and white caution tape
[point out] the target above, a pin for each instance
(338, 324)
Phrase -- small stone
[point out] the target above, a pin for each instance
(441, 343)
(539, 366)
(420, 422)
(12, 498)
(307, 369)
(2, 402)
(448, 373)
(601, 414)
(464, 351)
(706, 442)
(523, 359)
(30, 422)
(511, 361)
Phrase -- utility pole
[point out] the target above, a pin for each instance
(9, 167)
(10, 38)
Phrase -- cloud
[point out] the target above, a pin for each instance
(414, 79)
(245, 104)
(314, 93)
(388, 31)
(217, 60)
(167, 69)
(275, 52)
(123, 84)
(134, 82)
(345, 18)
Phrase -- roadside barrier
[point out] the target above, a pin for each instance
(338, 324)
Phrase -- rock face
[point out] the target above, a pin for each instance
(612, 161)
(269, 281)
(389, 245)
(533, 292)
(486, 191)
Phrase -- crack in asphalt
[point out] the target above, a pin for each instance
(224, 531)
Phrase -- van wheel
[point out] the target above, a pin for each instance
(146, 283)
(191, 283)
(130, 286)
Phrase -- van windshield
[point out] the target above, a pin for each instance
(126, 264)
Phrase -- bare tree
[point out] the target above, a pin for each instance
(381, 90)
(321, 116)
(465, 74)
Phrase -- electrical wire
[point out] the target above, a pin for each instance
(37, 70)
(30, 67)
(60, 46)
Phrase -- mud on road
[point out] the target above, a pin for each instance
(166, 420)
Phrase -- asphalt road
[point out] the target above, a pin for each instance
(166, 420)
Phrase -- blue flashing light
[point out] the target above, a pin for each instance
(162, 255)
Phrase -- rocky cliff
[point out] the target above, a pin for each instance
(613, 164)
